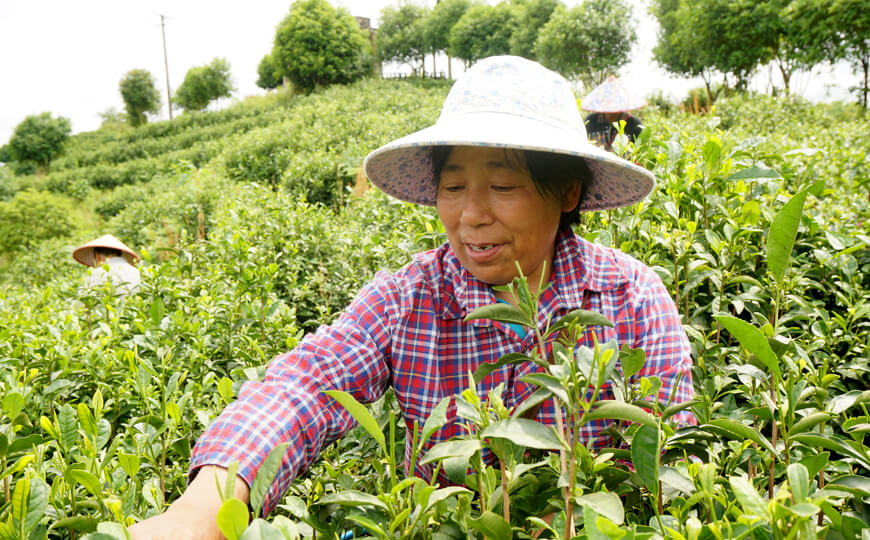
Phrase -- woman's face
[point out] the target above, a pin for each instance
(494, 214)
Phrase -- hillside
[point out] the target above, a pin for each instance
(255, 228)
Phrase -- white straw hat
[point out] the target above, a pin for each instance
(611, 96)
(507, 102)
(85, 253)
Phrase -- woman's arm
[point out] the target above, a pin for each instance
(194, 514)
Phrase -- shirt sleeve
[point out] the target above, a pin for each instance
(668, 355)
(289, 404)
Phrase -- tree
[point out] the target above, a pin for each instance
(400, 36)
(268, 76)
(439, 22)
(589, 41)
(532, 16)
(482, 31)
(140, 95)
(840, 29)
(318, 45)
(204, 84)
(851, 19)
(686, 40)
(39, 138)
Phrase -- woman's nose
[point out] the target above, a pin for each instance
(476, 209)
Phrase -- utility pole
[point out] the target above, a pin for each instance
(166, 67)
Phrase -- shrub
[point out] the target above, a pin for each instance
(30, 217)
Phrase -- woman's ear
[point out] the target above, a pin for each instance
(572, 197)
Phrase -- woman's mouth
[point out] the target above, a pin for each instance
(482, 252)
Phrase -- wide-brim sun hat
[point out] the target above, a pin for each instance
(507, 102)
(85, 253)
(611, 96)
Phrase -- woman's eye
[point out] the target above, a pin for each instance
(503, 188)
(452, 189)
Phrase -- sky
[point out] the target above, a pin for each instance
(67, 57)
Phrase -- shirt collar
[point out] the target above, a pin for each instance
(579, 266)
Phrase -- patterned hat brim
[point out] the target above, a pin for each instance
(403, 168)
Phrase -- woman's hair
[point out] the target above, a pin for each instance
(107, 252)
(553, 174)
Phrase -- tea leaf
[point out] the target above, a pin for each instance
(69, 429)
(232, 518)
(604, 503)
(266, 475)
(500, 312)
(580, 317)
(13, 403)
(752, 338)
(783, 232)
(631, 360)
(260, 529)
(741, 432)
(754, 173)
(808, 422)
(361, 415)
(460, 448)
(37, 503)
(507, 359)
(645, 456)
(351, 497)
(748, 497)
(619, 410)
(524, 432)
(491, 525)
(799, 481)
(437, 418)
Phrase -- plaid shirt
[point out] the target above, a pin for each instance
(407, 330)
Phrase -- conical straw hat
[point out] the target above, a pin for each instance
(611, 96)
(85, 253)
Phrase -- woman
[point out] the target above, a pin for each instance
(509, 169)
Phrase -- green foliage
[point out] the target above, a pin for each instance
(204, 84)
(533, 15)
(39, 138)
(318, 45)
(589, 41)
(268, 74)
(8, 186)
(439, 21)
(31, 217)
(400, 36)
(101, 400)
(139, 92)
(482, 31)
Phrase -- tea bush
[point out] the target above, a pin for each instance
(31, 217)
(103, 397)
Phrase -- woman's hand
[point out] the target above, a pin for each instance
(194, 514)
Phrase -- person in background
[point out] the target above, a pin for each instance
(610, 103)
(111, 261)
(508, 167)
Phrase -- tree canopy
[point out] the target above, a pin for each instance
(204, 84)
(400, 37)
(318, 45)
(268, 76)
(482, 31)
(589, 41)
(439, 22)
(140, 95)
(532, 15)
(39, 138)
